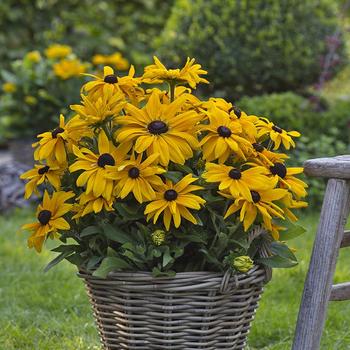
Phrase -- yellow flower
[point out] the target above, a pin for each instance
(116, 60)
(88, 203)
(235, 181)
(158, 237)
(58, 51)
(223, 137)
(243, 263)
(287, 180)
(69, 68)
(110, 83)
(30, 100)
(264, 157)
(97, 111)
(276, 134)
(50, 218)
(33, 56)
(94, 167)
(9, 87)
(160, 128)
(40, 174)
(262, 202)
(173, 200)
(137, 177)
(51, 144)
(189, 74)
(291, 203)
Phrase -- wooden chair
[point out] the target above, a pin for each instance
(318, 289)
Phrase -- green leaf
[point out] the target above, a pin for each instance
(70, 248)
(183, 168)
(277, 262)
(282, 250)
(221, 243)
(292, 232)
(167, 258)
(174, 176)
(116, 234)
(90, 230)
(109, 264)
(158, 273)
(55, 261)
(95, 260)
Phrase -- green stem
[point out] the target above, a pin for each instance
(270, 145)
(172, 86)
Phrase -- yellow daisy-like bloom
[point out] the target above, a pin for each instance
(9, 88)
(94, 167)
(276, 134)
(66, 69)
(58, 51)
(291, 203)
(264, 157)
(42, 173)
(116, 60)
(223, 137)
(88, 203)
(235, 181)
(50, 218)
(33, 56)
(97, 111)
(288, 180)
(137, 177)
(262, 202)
(160, 128)
(173, 200)
(51, 144)
(110, 83)
(190, 73)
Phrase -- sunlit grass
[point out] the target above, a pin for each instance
(50, 311)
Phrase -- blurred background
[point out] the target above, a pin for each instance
(284, 59)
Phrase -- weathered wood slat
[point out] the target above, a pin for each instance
(346, 240)
(340, 292)
(336, 167)
(319, 280)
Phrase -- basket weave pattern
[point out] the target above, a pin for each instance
(193, 310)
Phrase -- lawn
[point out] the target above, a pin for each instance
(51, 311)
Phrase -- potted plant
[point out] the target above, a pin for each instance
(174, 209)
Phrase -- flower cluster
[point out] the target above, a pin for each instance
(158, 177)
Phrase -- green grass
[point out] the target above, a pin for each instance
(51, 311)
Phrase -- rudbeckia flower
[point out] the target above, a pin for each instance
(223, 137)
(88, 203)
(137, 176)
(96, 111)
(160, 128)
(67, 69)
(51, 144)
(276, 134)
(58, 51)
(262, 203)
(94, 167)
(110, 84)
(288, 180)
(40, 174)
(235, 181)
(264, 157)
(190, 73)
(50, 218)
(173, 200)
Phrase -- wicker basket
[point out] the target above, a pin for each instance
(193, 310)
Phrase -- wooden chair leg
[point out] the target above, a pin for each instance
(319, 280)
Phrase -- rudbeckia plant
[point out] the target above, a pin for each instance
(145, 176)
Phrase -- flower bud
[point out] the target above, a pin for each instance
(243, 263)
(158, 237)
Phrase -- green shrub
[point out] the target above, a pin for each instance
(250, 46)
(324, 133)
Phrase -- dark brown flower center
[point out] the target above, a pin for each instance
(43, 170)
(134, 173)
(105, 159)
(44, 217)
(235, 174)
(57, 131)
(224, 131)
(170, 195)
(258, 147)
(157, 127)
(110, 79)
(279, 169)
(256, 196)
(277, 129)
(236, 111)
